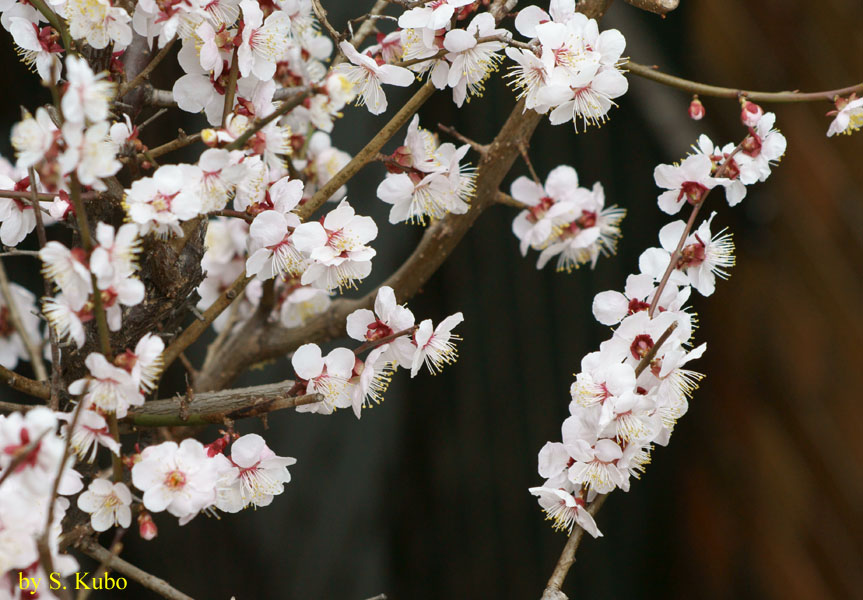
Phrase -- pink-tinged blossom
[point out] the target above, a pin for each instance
(848, 116)
(735, 189)
(371, 379)
(611, 307)
(87, 95)
(107, 503)
(39, 48)
(91, 431)
(115, 258)
(565, 510)
(686, 182)
(367, 75)
(256, 475)
(703, 256)
(107, 387)
(762, 148)
(35, 434)
(16, 215)
(337, 248)
(90, 153)
(388, 318)
(33, 138)
(324, 375)
(69, 269)
(271, 248)
(161, 202)
(263, 43)
(548, 206)
(435, 346)
(178, 478)
(472, 61)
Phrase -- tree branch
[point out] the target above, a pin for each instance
(702, 89)
(567, 557)
(217, 407)
(37, 389)
(367, 154)
(151, 582)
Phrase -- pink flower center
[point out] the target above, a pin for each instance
(175, 480)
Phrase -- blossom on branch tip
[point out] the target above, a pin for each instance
(435, 346)
(107, 503)
(848, 116)
(253, 474)
(367, 75)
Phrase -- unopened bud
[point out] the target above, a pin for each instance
(146, 526)
(696, 109)
(209, 137)
(750, 113)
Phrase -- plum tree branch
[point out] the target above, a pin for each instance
(217, 407)
(151, 582)
(702, 89)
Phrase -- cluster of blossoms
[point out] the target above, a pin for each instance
(630, 393)
(31, 460)
(260, 72)
(565, 220)
(344, 380)
(426, 179)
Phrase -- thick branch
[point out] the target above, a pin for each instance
(216, 407)
(37, 389)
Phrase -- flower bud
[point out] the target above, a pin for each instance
(750, 113)
(146, 526)
(696, 109)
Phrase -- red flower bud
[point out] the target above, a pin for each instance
(750, 113)
(696, 109)
(146, 526)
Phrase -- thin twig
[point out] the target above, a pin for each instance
(198, 326)
(504, 198)
(702, 89)
(54, 403)
(287, 106)
(32, 253)
(386, 339)
(675, 256)
(367, 154)
(145, 72)
(567, 557)
(151, 582)
(182, 141)
(451, 131)
(321, 14)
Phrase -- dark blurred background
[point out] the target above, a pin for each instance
(760, 493)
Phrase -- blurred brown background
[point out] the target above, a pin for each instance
(759, 494)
